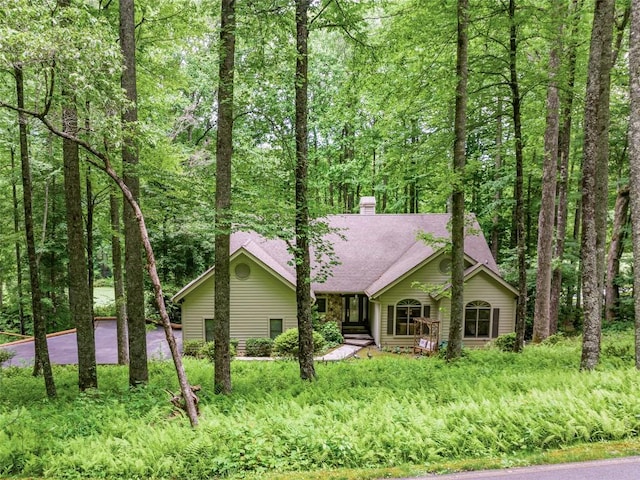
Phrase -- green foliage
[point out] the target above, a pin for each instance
(359, 414)
(6, 354)
(190, 348)
(286, 344)
(331, 333)
(506, 342)
(105, 310)
(554, 339)
(259, 347)
(204, 350)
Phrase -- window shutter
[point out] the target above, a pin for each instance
(390, 320)
(426, 311)
(496, 322)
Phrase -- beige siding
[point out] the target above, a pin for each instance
(480, 287)
(254, 301)
(429, 274)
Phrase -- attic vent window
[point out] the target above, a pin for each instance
(242, 271)
(445, 265)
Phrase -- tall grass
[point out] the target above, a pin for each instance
(359, 414)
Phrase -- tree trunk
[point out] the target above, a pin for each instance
(39, 327)
(80, 299)
(16, 230)
(616, 247)
(541, 320)
(564, 148)
(521, 306)
(454, 347)
(138, 368)
(224, 152)
(106, 167)
(118, 282)
(495, 221)
(594, 179)
(91, 206)
(301, 252)
(634, 159)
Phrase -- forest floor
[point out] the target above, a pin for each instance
(393, 415)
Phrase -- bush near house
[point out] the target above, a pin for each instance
(331, 333)
(286, 344)
(202, 349)
(259, 347)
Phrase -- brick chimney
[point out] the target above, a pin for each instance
(367, 205)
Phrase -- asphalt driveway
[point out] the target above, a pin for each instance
(63, 348)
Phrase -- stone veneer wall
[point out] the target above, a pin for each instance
(334, 309)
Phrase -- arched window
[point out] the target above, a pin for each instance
(406, 311)
(477, 319)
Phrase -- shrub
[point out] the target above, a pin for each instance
(506, 342)
(6, 355)
(208, 351)
(331, 332)
(259, 347)
(286, 344)
(190, 348)
(202, 349)
(554, 339)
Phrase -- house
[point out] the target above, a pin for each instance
(382, 259)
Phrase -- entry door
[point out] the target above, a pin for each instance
(355, 309)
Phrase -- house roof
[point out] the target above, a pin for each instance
(372, 251)
(471, 272)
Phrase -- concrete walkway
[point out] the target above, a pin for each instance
(63, 349)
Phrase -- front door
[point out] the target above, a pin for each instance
(356, 313)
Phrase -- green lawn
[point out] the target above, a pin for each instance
(392, 415)
(103, 296)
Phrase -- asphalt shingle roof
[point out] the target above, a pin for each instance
(373, 251)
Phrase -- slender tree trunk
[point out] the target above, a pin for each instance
(80, 299)
(138, 368)
(564, 148)
(107, 168)
(616, 247)
(16, 230)
(495, 221)
(302, 256)
(91, 205)
(594, 179)
(39, 326)
(454, 346)
(118, 282)
(634, 159)
(541, 320)
(224, 152)
(521, 306)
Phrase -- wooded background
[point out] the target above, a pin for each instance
(545, 122)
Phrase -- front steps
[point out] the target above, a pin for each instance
(358, 339)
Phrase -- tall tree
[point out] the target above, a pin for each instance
(118, 281)
(616, 248)
(564, 148)
(454, 347)
(516, 100)
(42, 360)
(634, 157)
(16, 230)
(80, 298)
(138, 368)
(595, 178)
(301, 251)
(546, 217)
(224, 152)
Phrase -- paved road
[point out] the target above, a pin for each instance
(63, 349)
(613, 469)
